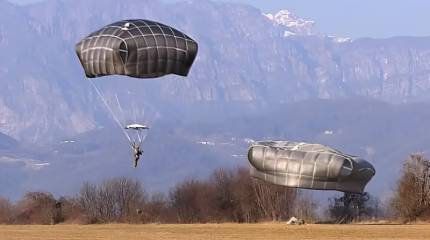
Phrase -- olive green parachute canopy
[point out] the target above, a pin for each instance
(137, 48)
(311, 166)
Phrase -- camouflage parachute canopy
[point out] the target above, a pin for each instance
(311, 166)
(137, 48)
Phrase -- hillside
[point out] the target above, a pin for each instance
(255, 77)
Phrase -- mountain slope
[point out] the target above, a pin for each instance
(243, 57)
(249, 81)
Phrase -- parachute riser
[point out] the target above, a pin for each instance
(109, 109)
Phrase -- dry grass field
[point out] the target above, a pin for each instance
(214, 231)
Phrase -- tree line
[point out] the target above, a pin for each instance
(225, 196)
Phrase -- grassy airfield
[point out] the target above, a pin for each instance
(214, 231)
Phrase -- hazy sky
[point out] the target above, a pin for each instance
(352, 18)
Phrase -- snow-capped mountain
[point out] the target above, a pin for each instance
(337, 39)
(294, 24)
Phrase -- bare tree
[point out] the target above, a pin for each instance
(275, 202)
(223, 200)
(7, 211)
(305, 207)
(190, 201)
(231, 196)
(114, 200)
(182, 200)
(246, 207)
(412, 196)
(128, 195)
(88, 201)
(157, 210)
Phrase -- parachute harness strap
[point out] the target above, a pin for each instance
(110, 110)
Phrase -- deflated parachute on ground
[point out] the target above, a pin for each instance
(137, 48)
(311, 166)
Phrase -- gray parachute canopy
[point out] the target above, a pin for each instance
(311, 166)
(137, 48)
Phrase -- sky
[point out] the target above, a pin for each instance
(351, 18)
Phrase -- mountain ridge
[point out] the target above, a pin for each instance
(249, 61)
(246, 68)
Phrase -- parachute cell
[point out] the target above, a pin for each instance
(311, 166)
(137, 48)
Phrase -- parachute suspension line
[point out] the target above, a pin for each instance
(119, 105)
(141, 136)
(297, 192)
(110, 110)
(139, 132)
(138, 137)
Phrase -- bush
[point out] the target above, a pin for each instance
(37, 208)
